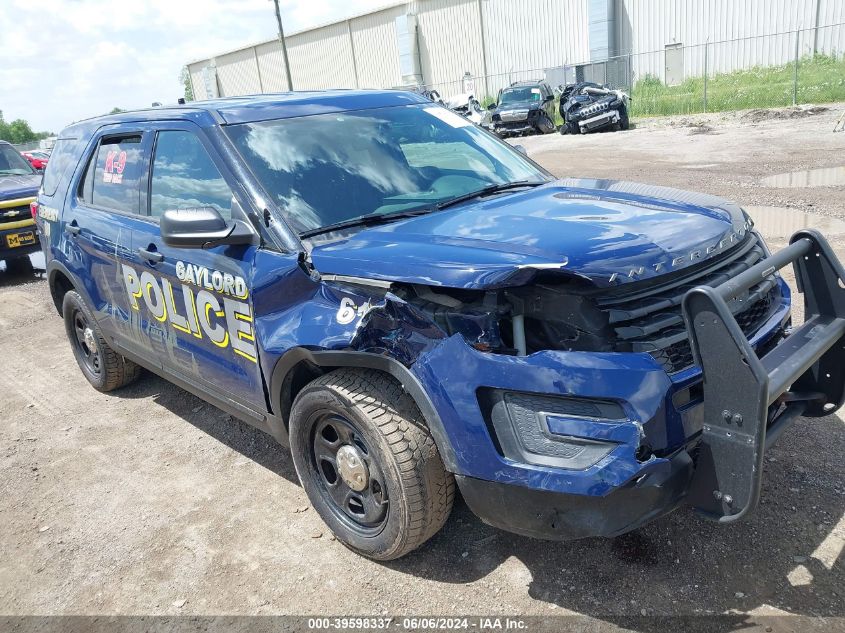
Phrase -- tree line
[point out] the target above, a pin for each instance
(19, 131)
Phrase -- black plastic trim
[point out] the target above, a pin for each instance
(564, 517)
(261, 420)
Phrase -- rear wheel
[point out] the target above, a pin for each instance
(104, 368)
(368, 463)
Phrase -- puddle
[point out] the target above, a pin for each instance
(825, 177)
(774, 222)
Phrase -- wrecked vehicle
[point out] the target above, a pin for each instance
(524, 107)
(412, 305)
(589, 107)
(470, 108)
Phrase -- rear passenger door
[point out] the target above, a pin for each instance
(200, 297)
(104, 207)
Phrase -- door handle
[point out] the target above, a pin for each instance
(154, 257)
(73, 229)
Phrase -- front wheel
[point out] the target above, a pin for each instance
(368, 463)
(547, 125)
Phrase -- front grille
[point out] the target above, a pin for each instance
(649, 319)
(15, 214)
(594, 108)
(514, 115)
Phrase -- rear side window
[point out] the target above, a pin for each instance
(60, 160)
(113, 178)
(185, 177)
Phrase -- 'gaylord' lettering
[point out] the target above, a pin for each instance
(224, 283)
(197, 314)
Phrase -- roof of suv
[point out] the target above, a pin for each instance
(261, 107)
(528, 82)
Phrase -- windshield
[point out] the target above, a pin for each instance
(12, 163)
(332, 168)
(518, 95)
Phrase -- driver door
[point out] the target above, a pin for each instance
(196, 303)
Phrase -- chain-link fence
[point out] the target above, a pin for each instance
(781, 69)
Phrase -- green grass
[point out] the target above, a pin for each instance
(821, 79)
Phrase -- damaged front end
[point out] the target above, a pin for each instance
(589, 107)
(547, 381)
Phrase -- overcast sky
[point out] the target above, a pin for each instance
(65, 60)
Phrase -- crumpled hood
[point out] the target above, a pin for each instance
(610, 232)
(12, 187)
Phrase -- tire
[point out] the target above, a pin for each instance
(624, 122)
(570, 128)
(104, 368)
(547, 125)
(404, 494)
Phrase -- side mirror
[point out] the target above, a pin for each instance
(492, 106)
(202, 227)
(521, 149)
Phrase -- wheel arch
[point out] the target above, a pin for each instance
(60, 281)
(299, 366)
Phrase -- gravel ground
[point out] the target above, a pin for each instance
(149, 501)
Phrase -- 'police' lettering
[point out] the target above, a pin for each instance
(200, 314)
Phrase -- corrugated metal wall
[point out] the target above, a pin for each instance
(741, 33)
(376, 50)
(531, 35)
(523, 37)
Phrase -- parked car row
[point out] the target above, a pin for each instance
(38, 158)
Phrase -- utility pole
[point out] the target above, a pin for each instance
(284, 46)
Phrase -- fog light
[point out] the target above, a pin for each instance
(564, 432)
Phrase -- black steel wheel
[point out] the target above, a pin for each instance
(368, 463)
(350, 478)
(104, 368)
(86, 343)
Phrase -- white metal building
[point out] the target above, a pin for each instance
(451, 45)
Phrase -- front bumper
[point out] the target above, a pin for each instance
(18, 239)
(599, 121)
(565, 517)
(516, 126)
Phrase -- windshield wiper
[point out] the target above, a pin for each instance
(384, 218)
(490, 189)
(368, 220)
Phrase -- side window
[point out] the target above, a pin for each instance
(60, 159)
(114, 174)
(185, 177)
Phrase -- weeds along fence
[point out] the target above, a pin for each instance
(790, 68)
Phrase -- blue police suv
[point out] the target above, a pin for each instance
(411, 305)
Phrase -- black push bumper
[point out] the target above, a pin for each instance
(749, 401)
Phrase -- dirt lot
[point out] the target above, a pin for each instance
(149, 501)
